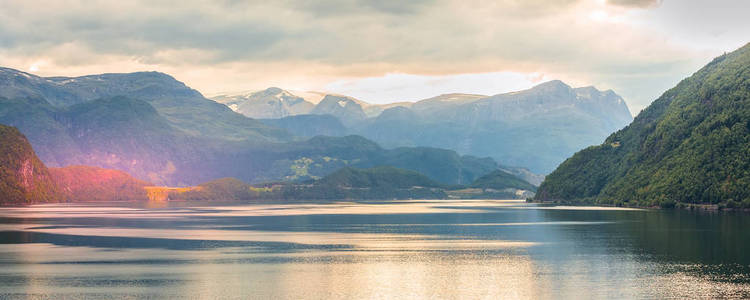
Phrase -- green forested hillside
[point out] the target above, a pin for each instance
(23, 177)
(691, 145)
(499, 180)
(372, 183)
(381, 182)
(377, 177)
(346, 183)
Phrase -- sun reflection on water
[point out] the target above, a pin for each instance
(468, 249)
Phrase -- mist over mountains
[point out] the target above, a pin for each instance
(536, 128)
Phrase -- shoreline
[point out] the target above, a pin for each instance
(678, 206)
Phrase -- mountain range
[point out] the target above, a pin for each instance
(690, 146)
(536, 128)
(159, 130)
(24, 179)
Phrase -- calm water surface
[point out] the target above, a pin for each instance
(414, 249)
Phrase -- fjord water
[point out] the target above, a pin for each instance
(406, 249)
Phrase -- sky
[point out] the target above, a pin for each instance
(379, 51)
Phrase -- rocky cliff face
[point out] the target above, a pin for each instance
(23, 177)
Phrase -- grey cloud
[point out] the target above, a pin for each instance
(335, 32)
(334, 8)
(421, 36)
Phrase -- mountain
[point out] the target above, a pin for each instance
(371, 183)
(374, 110)
(23, 177)
(271, 103)
(116, 133)
(346, 109)
(377, 178)
(691, 145)
(309, 125)
(500, 180)
(160, 137)
(536, 128)
(183, 107)
(130, 135)
(523, 173)
(444, 102)
(321, 155)
(91, 184)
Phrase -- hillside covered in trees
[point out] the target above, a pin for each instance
(354, 184)
(24, 179)
(691, 145)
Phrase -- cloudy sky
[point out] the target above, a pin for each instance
(380, 50)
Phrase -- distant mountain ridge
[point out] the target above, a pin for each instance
(535, 128)
(271, 103)
(275, 103)
(171, 135)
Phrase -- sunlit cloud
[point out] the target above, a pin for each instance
(639, 48)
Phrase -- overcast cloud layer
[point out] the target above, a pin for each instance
(380, 51)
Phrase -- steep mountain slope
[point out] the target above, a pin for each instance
(182, 106)
(23, 177)
(117, 133)
(691, 145)
(536, 128)
(271, 103)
